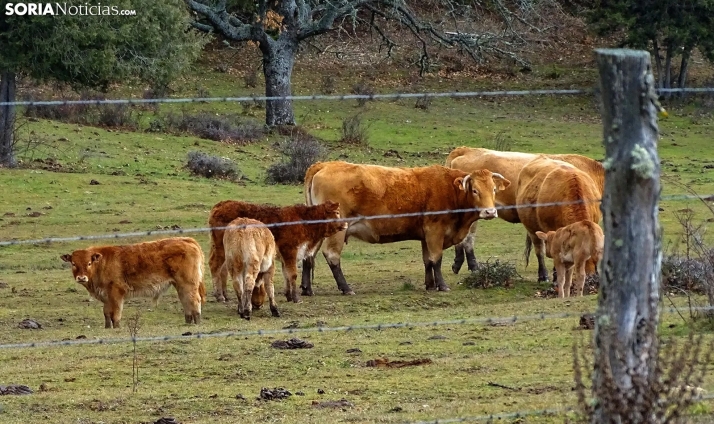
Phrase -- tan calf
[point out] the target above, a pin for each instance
(250, 262)
(113, 273)
(571, 247)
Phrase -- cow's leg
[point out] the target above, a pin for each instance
(251, 274)
(429, 281)
(561, 279)
(219, 276)
(332, 250)
(267, 279)
(568, 280)
(107, 314)
(238, 278)
(190, 297)
(580, 278)
(540, 254)
(434, 254)
(465, 250)
(290, 275)
(590, 267)
(308, 273)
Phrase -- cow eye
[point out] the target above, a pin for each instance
(494, 190)
(89, 264)
(475, 192)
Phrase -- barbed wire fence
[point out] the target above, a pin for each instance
(350, 220)
(380, 326)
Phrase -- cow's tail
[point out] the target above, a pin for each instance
(527, 250)
(309, 175)
(201, 284)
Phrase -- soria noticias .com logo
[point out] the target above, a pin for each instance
(52, 9)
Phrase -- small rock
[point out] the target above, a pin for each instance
(293, 343)
(240, 397)
(80, 337)
(94, 182)
(30, 324)
(299, 393)
(188, 333)
(354, 350)
(469, 344)
(437, 337)
(44, 387)
(34, 214)
(405, 343)
(166, 420)
(274, 394)
(213, 396)
(320, 392)
(396, 409)
(587, 322)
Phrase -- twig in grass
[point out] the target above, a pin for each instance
(134, 326)
(502, 386)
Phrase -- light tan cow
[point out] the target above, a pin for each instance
(112, 273)
(250, 262)
(509, 164)
(571, 247)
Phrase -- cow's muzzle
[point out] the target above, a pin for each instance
(82, 279)
(489, 213)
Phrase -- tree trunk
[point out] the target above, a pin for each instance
(668, 69)
(278, 62)
(658, 63)
(7, 120)
(684, 69)
(626, 344)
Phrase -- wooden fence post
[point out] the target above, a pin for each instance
(626, 343)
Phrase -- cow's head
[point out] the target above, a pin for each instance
(332, 211)
(480, 187)
(548, 239)
(83, 264)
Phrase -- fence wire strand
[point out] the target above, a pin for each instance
(349, 220)
(503, 320)
(396, 96)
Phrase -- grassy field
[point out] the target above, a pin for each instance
(143, 186)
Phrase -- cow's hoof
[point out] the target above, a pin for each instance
(288, 297)
(444, 288)
(455, 268)
(307, 292)
(220, 298)
(349, 292)
(275, 312)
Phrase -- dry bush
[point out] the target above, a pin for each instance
(354, 130)
(328, 84)
(363, 88)
(105, 115)
(230, 128)
(300, 151)
(491, 274)
(662, 397)
(209, 166)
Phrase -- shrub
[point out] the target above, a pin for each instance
(491, 274)
(354, 131)
(209, 166)
(363, 88)
(328, 84)
(251, 79)
(212, 127)
(118, 115)
(423, 103)
(106, 115)
(300, 153)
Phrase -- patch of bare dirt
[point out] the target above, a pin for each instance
(342, 403)
(386, 363)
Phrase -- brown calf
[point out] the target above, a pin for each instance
(571, 247)
(294, 242)
(250, 253)
(112, 273)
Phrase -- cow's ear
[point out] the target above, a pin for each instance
(96, 257)
(459, 183)
(541, 235)
(66, 258)
(500, 181)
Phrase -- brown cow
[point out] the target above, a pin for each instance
(508, 164)
(571, 247)
(250, 252)
(113, 273)
(294, 242)
(545, 181)
(364, 190)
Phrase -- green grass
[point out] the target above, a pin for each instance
(197, 381)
